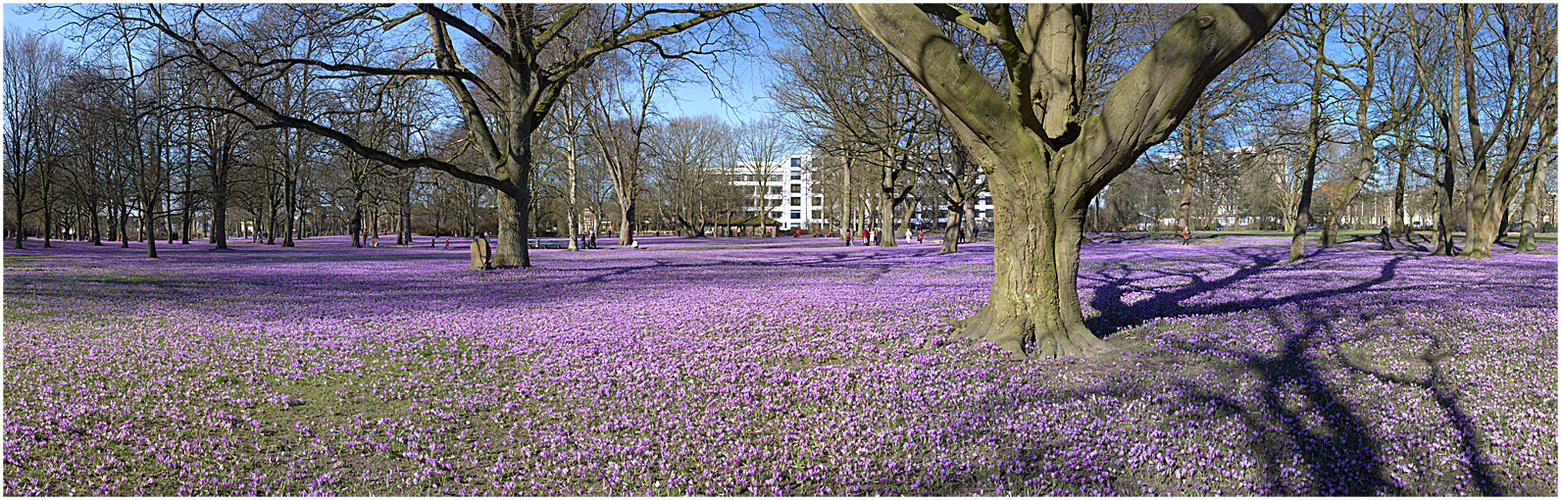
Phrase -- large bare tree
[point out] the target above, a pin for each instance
(1529, 88)
(1045, 157)
(760, 145)
(501, 106)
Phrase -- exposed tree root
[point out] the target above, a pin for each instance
(1023, 339)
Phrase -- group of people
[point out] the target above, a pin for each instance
(872, 237)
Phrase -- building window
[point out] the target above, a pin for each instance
(796, 188)
(796, 162)
(796, 174)
(817, 201)
(775, 190)
(796, 201)
(816, 215)
(774, 177)
(796, 214)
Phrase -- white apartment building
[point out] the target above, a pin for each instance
(787, 191)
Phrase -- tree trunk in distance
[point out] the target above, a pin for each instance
(219, 221)
(290, 201)
(626, 226)
(886, 220)
(149, 224)
(1399, 226)
(952, 230)
(1530, 208)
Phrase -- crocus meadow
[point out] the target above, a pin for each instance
(789, 366)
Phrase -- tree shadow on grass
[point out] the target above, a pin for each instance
(1293, 415)
(1116, 315)
(1340, 455)
(1446, 399)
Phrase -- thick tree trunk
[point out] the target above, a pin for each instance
(1399, 225)
(21, 229)
(886, 220)
(1530, 207)
(1184, 208)
(1478, 239)
(290, 201)
(1501, 229)
(124, 225)
(626, 222)
(1034, 299)
(184, 218)
(953, 229)
(1444, 210)
(48, 222)
(355, 225)
(110, 224)
(511, 250)
(574, 211)
(1303, 208)
(1330, 230)
(97, 227)
(968, 219)
(173, 236)
(1486, 215)
(149, 224)
(219, 221)
(905, 218)
(270, 223)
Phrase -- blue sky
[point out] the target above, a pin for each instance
(13, 19)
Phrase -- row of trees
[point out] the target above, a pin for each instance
(268, 105)
(1437, 108)
(129, 138)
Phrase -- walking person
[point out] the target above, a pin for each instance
(1387, 238)
(920, 235)
(1186, 235)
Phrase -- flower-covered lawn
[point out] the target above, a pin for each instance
(769, 366)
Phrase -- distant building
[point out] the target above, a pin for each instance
(787, 191)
